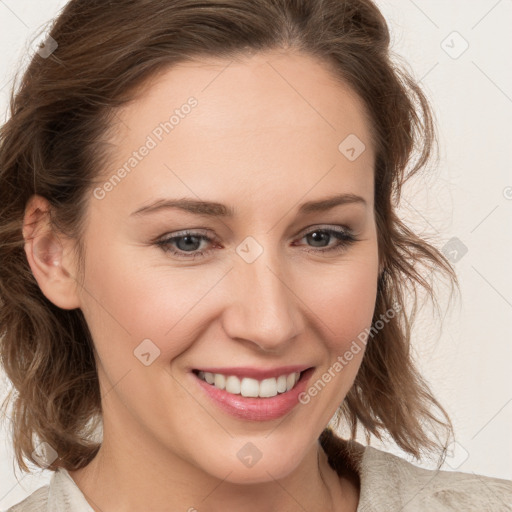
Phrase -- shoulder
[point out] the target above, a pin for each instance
(396, 481)
(61, 493)
(388, 482)
(35, 502)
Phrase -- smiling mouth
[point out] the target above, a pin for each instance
(249, 387)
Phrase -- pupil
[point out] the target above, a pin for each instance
(187, 239)
(318, 235)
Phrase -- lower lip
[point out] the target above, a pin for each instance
(256, 409)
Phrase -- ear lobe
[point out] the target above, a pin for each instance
(47, 256)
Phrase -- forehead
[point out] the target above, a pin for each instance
(270, 118)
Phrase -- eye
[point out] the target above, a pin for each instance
(186, 244)
(342, 236)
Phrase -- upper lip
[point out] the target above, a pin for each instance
(255, 373)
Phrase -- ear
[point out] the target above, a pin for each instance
(49, 255)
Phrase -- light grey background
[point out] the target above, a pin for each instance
(469, 197)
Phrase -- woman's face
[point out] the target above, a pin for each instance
(267, 283)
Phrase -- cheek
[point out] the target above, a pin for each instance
(126, 303)
(343, 300)
(344, 304)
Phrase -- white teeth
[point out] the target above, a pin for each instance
(249, 387)
(268, 387)
(281, 384)
(220, 381)
(233, 385)
(290, 381)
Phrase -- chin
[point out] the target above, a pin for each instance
(251, 465)
(260, 473)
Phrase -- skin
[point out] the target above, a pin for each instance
(263, 139)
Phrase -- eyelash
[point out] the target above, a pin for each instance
(345, 238)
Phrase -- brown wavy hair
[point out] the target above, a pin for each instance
(54, 145)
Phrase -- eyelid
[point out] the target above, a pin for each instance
(184, 232)
(209, 233)
(345, 238)
(319, 227)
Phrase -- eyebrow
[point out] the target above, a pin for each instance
(214, 209)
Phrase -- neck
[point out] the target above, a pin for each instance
(124, 479)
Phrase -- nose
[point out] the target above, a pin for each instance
(263, 310)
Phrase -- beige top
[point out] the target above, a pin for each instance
(387, 484)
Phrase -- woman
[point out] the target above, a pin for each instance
(273, 137)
